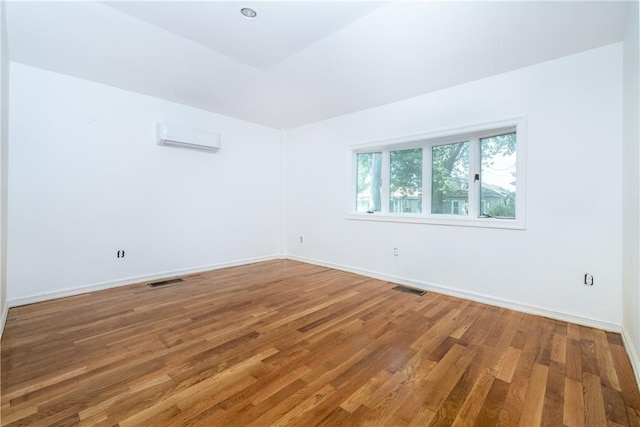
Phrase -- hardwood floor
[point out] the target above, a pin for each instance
(285, 343)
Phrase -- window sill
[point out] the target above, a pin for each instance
(440, 220)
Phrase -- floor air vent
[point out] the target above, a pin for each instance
(410, 290)
(165, 282)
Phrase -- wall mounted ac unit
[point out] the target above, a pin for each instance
(176, 136)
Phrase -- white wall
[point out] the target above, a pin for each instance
(631, 187)
(87, 179)
(574, 220)
(4, 142)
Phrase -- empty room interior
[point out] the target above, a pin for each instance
(331, 213)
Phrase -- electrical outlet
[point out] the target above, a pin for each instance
(588, 279)
(395, 251)
(300, 239)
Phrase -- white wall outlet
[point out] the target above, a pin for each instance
(588, 279)
(300, 239)
(395, 251)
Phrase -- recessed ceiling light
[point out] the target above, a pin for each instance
(249, 13)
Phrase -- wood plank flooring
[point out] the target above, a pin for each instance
(283, 343)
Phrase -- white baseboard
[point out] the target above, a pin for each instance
(132, 280)
(3, 319)
(485, 299)
(633, 355)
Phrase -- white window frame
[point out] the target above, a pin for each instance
(427, 141)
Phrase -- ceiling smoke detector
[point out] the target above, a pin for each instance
(248, 13)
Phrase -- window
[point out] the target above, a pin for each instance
(498, 176)
(405, 186)
(470, 177)
(369, 181)
(449, 177)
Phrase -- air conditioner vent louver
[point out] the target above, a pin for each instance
(176, 136)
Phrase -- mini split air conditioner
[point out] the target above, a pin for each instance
(176, 136)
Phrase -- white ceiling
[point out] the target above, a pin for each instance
(281, 30)
(300, 61)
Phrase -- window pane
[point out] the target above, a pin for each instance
(405, 188)
(369, 182)
(450, 179)
(498, 176)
